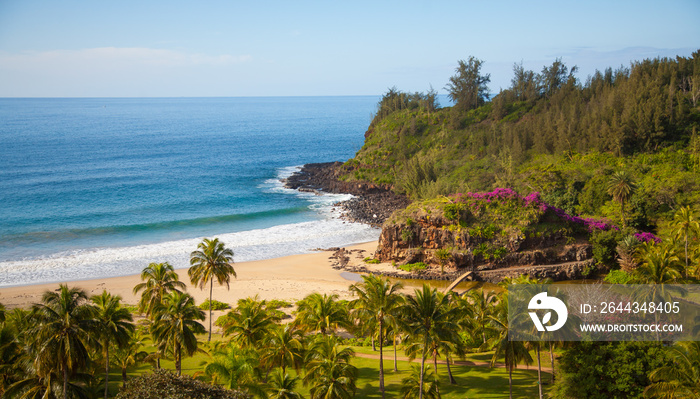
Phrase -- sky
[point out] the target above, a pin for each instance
(308, 48)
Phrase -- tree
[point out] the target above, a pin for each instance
(426, 315)
(468, 89)
(114, 325)
(378, 299)
(685, 224)
(321, 313)
(212, 260)
(250, 323)
(236, 368)
(553, 77)
(413, 386)
(328, 369)
(442, 255)
(620, 187)
(284, 348)
(524, 83)
(513, 351)
(159, 279)
(282, 386)
(65, 324)
(680, 379)
(129, 354)
(175, 324)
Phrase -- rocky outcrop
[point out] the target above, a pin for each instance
(372, 204)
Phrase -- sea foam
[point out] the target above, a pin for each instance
(328, 230)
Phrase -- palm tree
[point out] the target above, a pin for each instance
(428, 316)
(478, 305)
(620, 187)
(236, 368)
(442, 255)
(378, 300)
(129, 355)
(318, 312)
(413, 386)
(175, 325)
(282, 386)
(685, 224)
(328, 369)
(680, 380)
(114, 324)
(159, 279)
(659, 266)
(211, 261)
(284, 348)
(65, 322)
(250, 323)
(513, 351)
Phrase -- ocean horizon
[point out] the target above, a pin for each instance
(100, 187)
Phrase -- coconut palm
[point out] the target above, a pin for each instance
(114, 325)
(175, 324)
(235, 367)
(477, 306)
(378, 300)
(659, 265)
(284, 348)
(282, 386)
(685, 224)
(414, 385)
(328, 369)
(250, 323)
(620, 187)
(64, 327)
(442, 255)
(680, 380)
(321, 313)
(159, 279)
(129, 354)
(428, 316)
(513, 351)
(211, 261)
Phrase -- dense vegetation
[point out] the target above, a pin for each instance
(550, 133)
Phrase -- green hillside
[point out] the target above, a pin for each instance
(550, 133)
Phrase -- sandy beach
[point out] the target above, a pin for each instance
(289, 278)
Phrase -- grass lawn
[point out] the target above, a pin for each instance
(472, 382)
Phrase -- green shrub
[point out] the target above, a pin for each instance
(371, 261)
(216, 305)
(618, 277)
(453, 212)
(604, 246)
(162, 384)
(413, 267)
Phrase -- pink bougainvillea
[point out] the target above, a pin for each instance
(532, 200)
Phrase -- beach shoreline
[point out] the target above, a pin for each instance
(289, 278)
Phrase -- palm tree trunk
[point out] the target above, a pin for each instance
(381, 358)
(124, 376)
(65, 380)
(449, 371)
(510, 382)
(422, 367)
(211, 288)
(396, 369)
(686, 254)
(539, 371)
(551, 359)
(178, 359)
(106, 367)
(435, 363)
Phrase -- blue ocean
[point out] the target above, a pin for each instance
(100, 187)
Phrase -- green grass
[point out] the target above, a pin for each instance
(472, 381)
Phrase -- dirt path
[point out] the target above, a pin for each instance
(469, 363)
